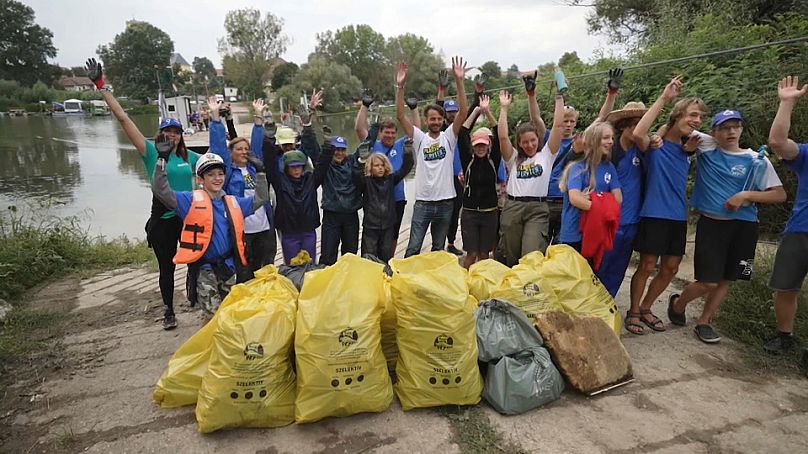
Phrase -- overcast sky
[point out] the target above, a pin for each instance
(525, 32)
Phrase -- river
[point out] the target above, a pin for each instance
(86, 167)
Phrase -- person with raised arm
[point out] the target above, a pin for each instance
(163, 227)
(434, 188)
(662, 231)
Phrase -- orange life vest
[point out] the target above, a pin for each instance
(197, 228)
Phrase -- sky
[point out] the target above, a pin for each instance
(525, 32)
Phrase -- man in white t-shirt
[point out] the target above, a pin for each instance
(434, 156)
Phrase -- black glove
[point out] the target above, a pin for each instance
(164, 147)
(270, 129)
(530, 82)
(367, 97)
(479, 82)
(252, 159)
(614, 79)
(364, 150)
(443, 78)
(95, 73)
(412, 102)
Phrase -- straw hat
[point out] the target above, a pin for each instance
(630, 110)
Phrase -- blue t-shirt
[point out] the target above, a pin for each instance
(606, 180)
(719, 176)
(562, 158)
(457, 166)
(396, 156)
(629, 172)
(798, 222)
(501, 175)
(221, 245)
(666, 183)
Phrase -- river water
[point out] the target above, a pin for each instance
(86, 167)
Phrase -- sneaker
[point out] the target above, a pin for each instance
(679, 319)
(707, 334)
(169, 322)
(451, 248)
(780, 344)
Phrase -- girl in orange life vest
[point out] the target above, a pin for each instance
(213, 229)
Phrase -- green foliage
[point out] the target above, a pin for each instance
(491, 68)
(283, 74)
(24, 45)
(250, 47)
(14, 95)
(424, 65)
(131, 58)
(338, 84)
(39, 247)
(361, 49)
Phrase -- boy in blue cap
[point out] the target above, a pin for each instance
(725, 195)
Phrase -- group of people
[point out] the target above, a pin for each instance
(611, 190)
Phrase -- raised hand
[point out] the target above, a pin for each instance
(367, 97)
(164, 147)
(214, 105)
(316, 99)
(412, 102)
(673, 89)
(789, 88)
(458, 67)
(615, 75)
(95, 73)
(443, 78)
(479, 82)
(258, 106)
(578, 143)
(505, 99)
(401, 74)
(530, 82)
(485, 103)
(253, 159)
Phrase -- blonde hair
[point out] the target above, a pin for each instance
(680, 108)
(388, 168)
(593, 137)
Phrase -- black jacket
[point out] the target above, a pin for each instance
(378, 195)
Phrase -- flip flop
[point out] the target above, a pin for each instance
(656, 324)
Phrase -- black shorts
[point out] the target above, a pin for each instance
(661, 237)
(725, 249)
(790, 263)
(479, 230)
(400, 205)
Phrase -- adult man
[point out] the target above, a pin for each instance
(663, 217)
(434, 157)
(791, 261)
(729, 184)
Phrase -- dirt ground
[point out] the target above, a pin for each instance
(95, 396)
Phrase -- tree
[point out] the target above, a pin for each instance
(24, 45)
(361, 49)
(491, 69)
(283, 74)
(131, 59)
(251, 45)
(338, 84)
(203, 69)
(422, 78)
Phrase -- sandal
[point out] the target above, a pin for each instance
(638, 329)
(656, 324)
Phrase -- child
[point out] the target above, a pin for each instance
(376, 181)
(595, 174)
(213, 226)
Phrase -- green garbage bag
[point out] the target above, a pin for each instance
(503, 329)
(523, 381)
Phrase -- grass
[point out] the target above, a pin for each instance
(747, 314)
(474, 433)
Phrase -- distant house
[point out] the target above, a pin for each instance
(75, 83)
(219, 72)
(177, 59)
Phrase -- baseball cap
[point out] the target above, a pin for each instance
(294, 158)
(726, 115)
(285, 135)
(170, 123)
(208, 161)
(339, 142)
(485, 130)
(480, 137)
(450, 106)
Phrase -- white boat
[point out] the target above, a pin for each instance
(70, 107)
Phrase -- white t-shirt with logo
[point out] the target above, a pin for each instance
(434, 159)
(531, 177)
(256, 222)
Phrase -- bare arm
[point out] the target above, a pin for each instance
(401, 114)
(505, 146)
(579, 200)
(618, 195)
(459, 70)
(416, 118)
(535, 115)
(608, 105)
(361, 123)
(472, 118)
(670, 93)
(789, 92)
(129, 127)
(557, 132)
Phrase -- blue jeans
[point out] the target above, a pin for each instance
(433, 215)
(615, 262)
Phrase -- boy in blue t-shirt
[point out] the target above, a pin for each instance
(791, 261)
(729, 184)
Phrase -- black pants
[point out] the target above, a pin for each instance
(338, 228)
(260, 248)
(554, 221)
(163, 235)
(378, 242)
(451, 235)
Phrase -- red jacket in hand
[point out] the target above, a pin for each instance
(598, 226)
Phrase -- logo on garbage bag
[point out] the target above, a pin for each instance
(531, 289)
(595, 280)
(444, 342)
(253, 350)
(348, 337)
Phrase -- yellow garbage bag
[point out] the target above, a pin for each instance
(388, 325)
(579, 290)
(485, 276)
(436, 337)
(249, 381)
(179, 383)
(341, 369)
(526, 288)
